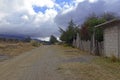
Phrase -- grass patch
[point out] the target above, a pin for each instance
(84, 71)
(99, 69)
(114, 58)
(71, 52)
(14, 49)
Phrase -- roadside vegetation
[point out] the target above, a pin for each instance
(69, 34)
(86, 29)
(53, 39)
(35, 43)
(14, 47)
(81, 66)
(100, 68)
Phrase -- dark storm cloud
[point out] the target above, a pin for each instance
(84, 9)
(27, 22)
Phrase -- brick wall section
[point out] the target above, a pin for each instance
(111, 41)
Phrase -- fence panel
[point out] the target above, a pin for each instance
(88, 45)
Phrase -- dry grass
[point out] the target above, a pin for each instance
(71, 52)
(98, 69)
(84, 71)
(14, 49)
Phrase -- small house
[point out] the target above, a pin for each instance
(111, 33)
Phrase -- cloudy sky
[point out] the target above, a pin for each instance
(41, 18)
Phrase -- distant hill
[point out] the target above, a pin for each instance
(9, 36)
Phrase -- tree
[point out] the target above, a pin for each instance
(109, 16)
(84, 33)
(88, 28)
(53, 39)
(69, 34)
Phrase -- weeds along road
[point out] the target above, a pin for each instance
(38, 64)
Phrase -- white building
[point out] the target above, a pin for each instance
(111, 37)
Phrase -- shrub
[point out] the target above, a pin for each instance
(35, 43)
(113, 58)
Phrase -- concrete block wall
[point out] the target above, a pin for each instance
(111, 41)
(119, 42)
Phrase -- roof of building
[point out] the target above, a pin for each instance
(109, 23)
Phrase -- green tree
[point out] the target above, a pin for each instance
(53, 39)
(88, 28)
(69, 34)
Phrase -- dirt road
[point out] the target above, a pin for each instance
(38, 64)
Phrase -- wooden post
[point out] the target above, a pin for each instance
(93, 43)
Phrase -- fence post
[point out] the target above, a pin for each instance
(93, 43)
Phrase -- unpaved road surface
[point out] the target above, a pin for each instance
(38, 64)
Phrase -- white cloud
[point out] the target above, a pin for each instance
(44, 38)
(79, 1)
(93, 1)
(41, 3)
(18, 16)
(83, 9)
(25, 17)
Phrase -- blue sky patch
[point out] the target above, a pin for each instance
(61, 1)
(38, 9)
